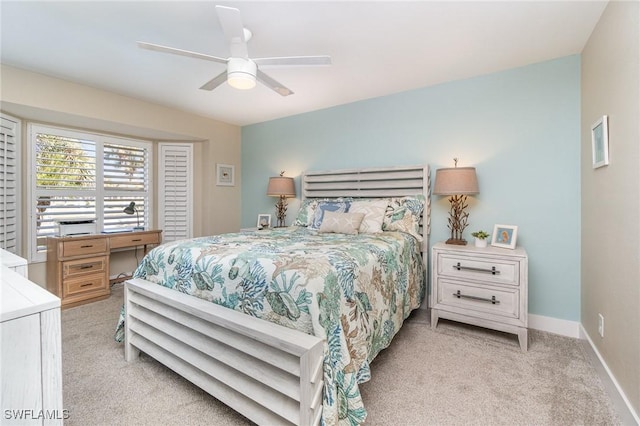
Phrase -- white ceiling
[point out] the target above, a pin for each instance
(377, 48)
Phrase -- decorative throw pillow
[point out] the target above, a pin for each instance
(403, 214)
(341, 223)
(305, 213)
(331, 206)
(374, 211)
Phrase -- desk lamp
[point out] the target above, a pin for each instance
(131, 209)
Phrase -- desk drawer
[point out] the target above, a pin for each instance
(478, 268)
(134, 240)
(74, 268)
(83, 247)
(86, 284)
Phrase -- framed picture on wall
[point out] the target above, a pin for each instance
(600, 142)
(504, 236)
(264, 221)
(225, 175)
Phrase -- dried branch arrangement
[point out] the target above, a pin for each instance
(457, 219)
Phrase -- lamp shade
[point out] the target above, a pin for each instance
(281, 186)
(131, 208)
(456, 181)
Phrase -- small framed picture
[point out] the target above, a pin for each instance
(600, 142)
(504, 236)
(225, 175)
(264, 221)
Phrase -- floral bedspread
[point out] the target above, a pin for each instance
(352, 291)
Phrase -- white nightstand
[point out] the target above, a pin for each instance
(486, 287)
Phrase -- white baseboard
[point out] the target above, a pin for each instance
(633, 416)
(555, 325)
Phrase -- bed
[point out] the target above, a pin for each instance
(332, 300)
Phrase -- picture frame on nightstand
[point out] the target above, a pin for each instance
(264, 221)
(504, 236)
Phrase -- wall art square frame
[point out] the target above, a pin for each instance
(266, 217)
(504, 236)
(600, 142)
(225, 175)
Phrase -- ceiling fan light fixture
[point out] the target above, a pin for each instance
(241, 73)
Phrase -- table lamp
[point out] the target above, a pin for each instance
(457, 182)
(281, 187)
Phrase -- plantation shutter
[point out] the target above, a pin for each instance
(126, 179)
(9, 202)
(175, 191)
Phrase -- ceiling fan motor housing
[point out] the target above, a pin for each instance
(241, 73)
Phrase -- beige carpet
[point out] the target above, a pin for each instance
(456, 375)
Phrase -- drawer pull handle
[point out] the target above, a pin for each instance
(86, 285)
(493, 299)
(492, 271)
(137, 239)
(87, 246)
(86, 266)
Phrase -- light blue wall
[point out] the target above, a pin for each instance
(519, 128)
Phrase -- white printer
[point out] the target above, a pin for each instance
(76, 227)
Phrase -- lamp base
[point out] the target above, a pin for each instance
(457, 242)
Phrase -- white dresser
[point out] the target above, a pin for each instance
(30, 362)
(15, 262)
(487, 287)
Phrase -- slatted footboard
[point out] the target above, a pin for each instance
(269, 373)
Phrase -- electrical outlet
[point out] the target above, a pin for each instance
(600, 325)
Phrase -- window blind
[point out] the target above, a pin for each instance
(9, 191)
(175, 202)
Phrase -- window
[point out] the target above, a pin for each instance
(83, 176)
(175, 200)
(9, 189)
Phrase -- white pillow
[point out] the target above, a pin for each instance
(341, 223)
(373, 214)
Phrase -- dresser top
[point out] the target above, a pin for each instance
(490, 250)
(9, 259)
(20, 297)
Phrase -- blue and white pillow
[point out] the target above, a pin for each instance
(332, 206)
(306, 212)
(403, 214)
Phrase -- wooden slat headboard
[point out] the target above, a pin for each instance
(382, 182)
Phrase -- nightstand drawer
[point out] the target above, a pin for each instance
(134, 240)
(500, 301)
(477, 268)
(85, 284)
(83, 247)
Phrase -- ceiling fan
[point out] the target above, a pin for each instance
(242, 71)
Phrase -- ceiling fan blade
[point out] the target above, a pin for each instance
(231, 22)
(181, 52)
(294, 61)
(215, 81)
(272, 84)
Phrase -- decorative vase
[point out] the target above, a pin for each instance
(481, 242)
